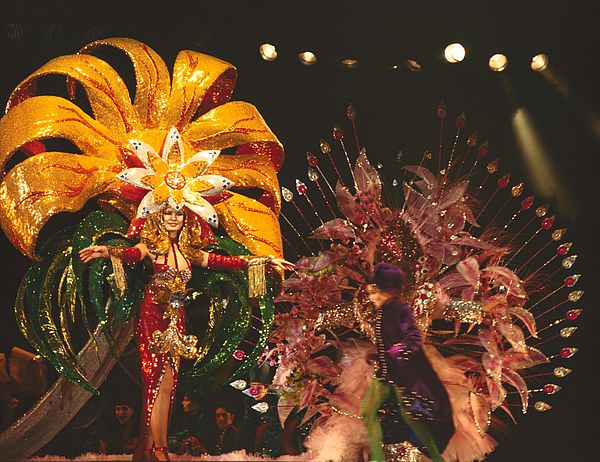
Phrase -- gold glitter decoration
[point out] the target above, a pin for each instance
(558, 234)
(542, 210)
(367, 316)
(517, 190)
(492, 167)
(51, 182)
(463, 311)
(541, 406)
(257, 281)
(423, 306)
(337, 316)
(566, 332)
(569, 261)
(575, 295)
(402, 452)
(562, 371)
(115, 254)
(325, 147)
(171, 340)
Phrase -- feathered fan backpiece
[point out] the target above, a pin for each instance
(491, 285)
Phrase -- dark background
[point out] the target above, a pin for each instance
(396, 111)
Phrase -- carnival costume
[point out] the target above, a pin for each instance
(136, 157)
(486, 277)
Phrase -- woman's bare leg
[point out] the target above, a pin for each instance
(159, 420)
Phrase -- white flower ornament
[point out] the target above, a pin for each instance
(172, 180)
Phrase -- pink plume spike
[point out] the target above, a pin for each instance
(314, 177)
(351, 115)
(326, 149)
(297, 233)
(471, 142)
(338, 134)
(302, 191)
(313, 161)
(288, 196)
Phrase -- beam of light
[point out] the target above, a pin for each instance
(268, 52)
(307, 58)
(537, 160)
(498, 62)
(455, 53)
(589, 116)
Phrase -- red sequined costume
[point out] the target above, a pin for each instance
(164, 293)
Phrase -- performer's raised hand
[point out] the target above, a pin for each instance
(282, 264)
(92, 252)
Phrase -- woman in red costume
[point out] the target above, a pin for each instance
(160, 328)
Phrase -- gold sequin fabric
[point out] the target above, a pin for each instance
(194, 101)
(402, 452)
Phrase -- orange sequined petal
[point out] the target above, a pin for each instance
(153, 181)
(193, 169)
(161, 193)
(158, 165)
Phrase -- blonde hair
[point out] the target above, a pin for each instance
(191, 239)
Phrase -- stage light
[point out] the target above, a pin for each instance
(455, 53)
(539, 62)
(268, 52)
(350, 63)
(307, 58)
(498, 62)
(413, 66)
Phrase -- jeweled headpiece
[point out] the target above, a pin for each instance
(162, 147)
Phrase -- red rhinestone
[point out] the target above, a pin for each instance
(547, 222)
(301, 189)
(572, 315)
(338, 134)
(503, 181)
(562, 249)
(570, 281)
(483, 149)
(527, 203)
(424, 297)
(312, 159)
(549, 389)
(567, 352)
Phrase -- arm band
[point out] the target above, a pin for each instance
(219, 262)
(125, 254)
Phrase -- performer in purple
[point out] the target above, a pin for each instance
(403, 375)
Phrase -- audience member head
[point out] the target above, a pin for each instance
(124, 408)
(191, 403)
(224, 415)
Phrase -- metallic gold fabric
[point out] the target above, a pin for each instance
(153, 82)
(46, 184)
(252, 224)
(195, 102)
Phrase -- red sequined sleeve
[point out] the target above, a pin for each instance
(225, 262)
(125, 254)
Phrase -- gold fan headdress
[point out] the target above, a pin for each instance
(188, 120)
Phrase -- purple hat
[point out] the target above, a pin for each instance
(387, 277)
